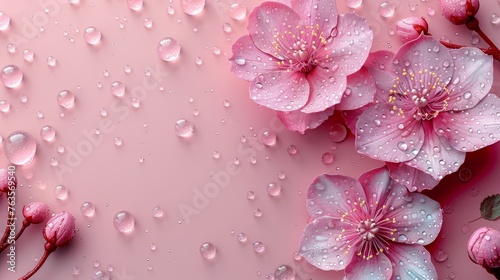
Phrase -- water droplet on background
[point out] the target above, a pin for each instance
(337, 133)
(327, 158)
(440, 255)
(148, 23)
(4, 20)
(386, 9)
(353, 4)
(268, 138)
(250, 195)
(237, 11)
(117, 88)
(464, 174)
(242, 237)
(28, 55)
(495, 19)
(168, 49)
(258, 247)
(124, 222)
(20, 148)
(184, 128)
(208, 250)
(12, 76)
(118, 141)
(257, 213)
(273, 189)
(158, 212)
(92, 35)
(88, 209)
(292, 150)
(100, 275)
(4, 106)
(135, 5)
(192, 7)
(51, 61)
(284, 272)
(61, 192)
(48, 133)
(66, 99)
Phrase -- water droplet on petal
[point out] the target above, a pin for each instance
(208, 250)
(124, 222)
(402, 146)
(88, 209)
(20, 148)
(48, 133)
(184, 128)
(168, 49)
(11, 76)
(92, 35)
(192, 7)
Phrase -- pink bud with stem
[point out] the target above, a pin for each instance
(410, 28)
(484, 249)
(459, 11)
(35, 212)
(7, 180)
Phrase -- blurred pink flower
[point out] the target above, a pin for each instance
(35, 212)
(410, 28)
(59, 230)
(432, 105)
(298, 58)
(484, 248)
(370, 226)
(4, 181)
(459, 11)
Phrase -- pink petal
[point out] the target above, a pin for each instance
(281, 91)
(351, 117)
(437, 157)
(326, 89)
(360, 90)
(471, 129)
(412, 262)
(416, 218)
(300, 122)
(381, 60)
(317, 12)
(248, 62)
(379, 64)
(423, 54)
(384, 135)
(321, 247)
(376, 185)
(412, 178)
(333, 195)
(272, 19)
(472, 79)
(350, 47)
(378, 267)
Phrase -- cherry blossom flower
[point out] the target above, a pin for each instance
(484, 249)
(370, 226)
(298, 58)
(432, 105)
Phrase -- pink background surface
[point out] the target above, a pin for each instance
(113, 178)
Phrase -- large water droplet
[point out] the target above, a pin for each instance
(268, 138)
(28, 55)
(440, 255)
(495, 19)
(327, 158)
(66, 99)
(258, 247)
(242, 237)
(51, 61)
(101, 275)
(20, 148)
(238, 11)
(88, 209)
(61, 192)
(208, 250)
(386, 9)
(117, 89)
(337, 133)
(48, 133)
(168, 49)
(353, 4)
(4, 20)
(273, 189)
(11, 76)
(465, 174)
(192, 7)
(284, 272)
(4, 106)
(184, 128)
(92, 35)
(158, 212)
(135, 5)
(124, 222)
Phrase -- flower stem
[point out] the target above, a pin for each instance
(6, 244)
(490, 51)
(10, 220)
(473, 24)
(49, 248)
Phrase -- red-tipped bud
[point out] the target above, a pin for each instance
(36, 212)
(410, 28)
(459, 11)
(60, 229)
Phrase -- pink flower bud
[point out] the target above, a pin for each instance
(4, 180)
(410, 28)
(484, 247)
(459, 11)
(60, 229)
(36, 212)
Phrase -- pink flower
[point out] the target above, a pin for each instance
(60, 229)
(410, 28)
(36, 212)
(459, 11)
(431, 107)
(370, 226)
(5, 183)
(484, 247)
(298, 58)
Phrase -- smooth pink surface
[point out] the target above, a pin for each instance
(175, 169)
